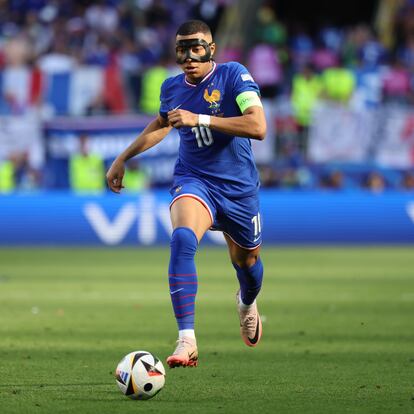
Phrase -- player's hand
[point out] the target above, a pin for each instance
(179, 118)
(115, 175)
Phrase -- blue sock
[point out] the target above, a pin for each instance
(250, 279)
(183, 276)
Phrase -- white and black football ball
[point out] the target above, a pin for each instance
(140, 375)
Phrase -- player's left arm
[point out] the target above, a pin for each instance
(251, 124)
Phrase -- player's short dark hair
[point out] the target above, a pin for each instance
(193, 26)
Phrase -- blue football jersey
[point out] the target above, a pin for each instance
(225, 161)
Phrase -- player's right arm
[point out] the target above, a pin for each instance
(153, 133)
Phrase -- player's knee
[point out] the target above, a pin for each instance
(246, 260)
(184, 241)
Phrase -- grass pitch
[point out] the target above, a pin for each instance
(338, 332)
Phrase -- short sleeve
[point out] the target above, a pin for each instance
(163, 100)
(242, 80)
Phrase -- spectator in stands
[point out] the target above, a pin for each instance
(56, 67)
(396, 83)
(301, 47)
(210, 12)
(7, 176)
(266, 69)
(288, 177)
(331, 37)
(58, 59)
(102, 16)
(327, 51)
(406, 52)
(332, 180)
(27, 178)
(368, 86)
(152, 80)
(375, 182)
(355, 39)
(306, 91)
(136, 179)
(323, 58)
(269, 30)
(16, 77)
(114, 95)
(16, 173)
(407, 182)
(132, 67)
(338, 84)
(268, 176)
(372, 53)
(86, 170)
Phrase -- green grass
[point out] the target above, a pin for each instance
(338, 332)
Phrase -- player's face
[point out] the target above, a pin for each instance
(195, 70)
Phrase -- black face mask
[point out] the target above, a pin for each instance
(183, 51)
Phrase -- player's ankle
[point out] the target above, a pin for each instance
(186, 333)
(243, 306)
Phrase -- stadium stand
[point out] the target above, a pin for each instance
(338, 97)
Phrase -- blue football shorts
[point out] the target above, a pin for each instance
(238, 218)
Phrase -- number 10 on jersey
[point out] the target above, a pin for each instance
(203, 136)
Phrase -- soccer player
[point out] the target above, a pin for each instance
(217, 110)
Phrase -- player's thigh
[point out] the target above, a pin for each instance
(241, 223)
(241, 256)
(189, 212)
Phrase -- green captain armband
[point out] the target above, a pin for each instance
(247, 99)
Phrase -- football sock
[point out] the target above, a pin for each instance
(183, 276)
(188, 333)
(250, 279)
(242, 305)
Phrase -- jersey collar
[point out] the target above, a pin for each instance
(205, 77)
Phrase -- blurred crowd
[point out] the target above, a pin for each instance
(110, 57)
(354, 67)
(112, 44)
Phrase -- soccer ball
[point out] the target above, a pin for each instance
(140, 375)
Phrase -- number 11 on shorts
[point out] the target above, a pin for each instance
(257, 225)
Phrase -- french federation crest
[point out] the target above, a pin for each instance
(213, 99)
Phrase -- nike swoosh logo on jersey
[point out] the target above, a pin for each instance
(175, 291)
(255, 240)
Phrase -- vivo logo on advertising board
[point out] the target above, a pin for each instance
(288, 218)
(147, 216)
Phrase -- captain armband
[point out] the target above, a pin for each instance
(247, 99)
